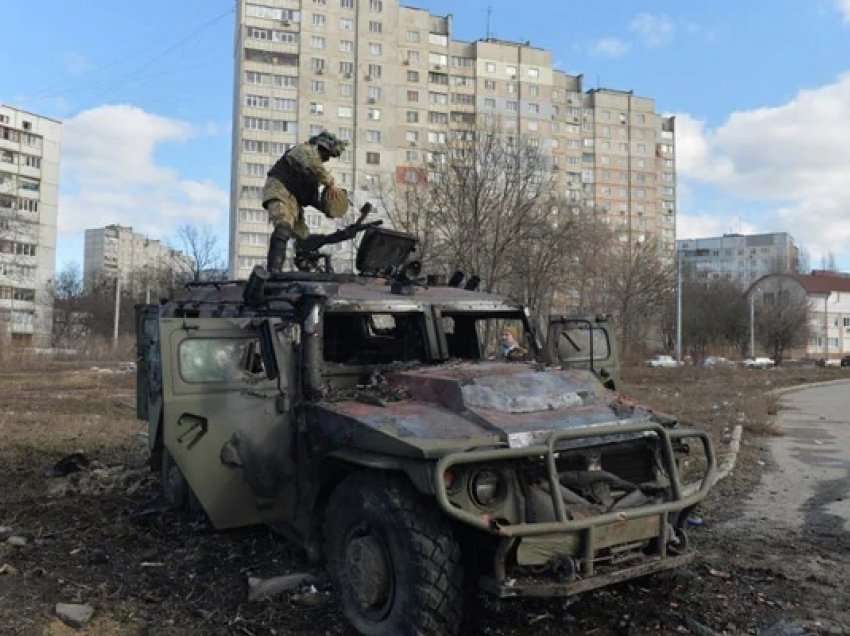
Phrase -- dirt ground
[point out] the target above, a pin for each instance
(102, 537)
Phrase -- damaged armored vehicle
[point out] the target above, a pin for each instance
(373, 419)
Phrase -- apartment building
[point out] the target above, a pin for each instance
(828, 294)
(29, 185)
(738, 257)
(116, 250)
(393, 82)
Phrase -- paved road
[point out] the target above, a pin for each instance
(809, 488)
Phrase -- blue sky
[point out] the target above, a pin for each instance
(761, 92)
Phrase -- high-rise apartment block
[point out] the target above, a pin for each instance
(29, 187)
(738, 257)
(117, 251)
(392, 81)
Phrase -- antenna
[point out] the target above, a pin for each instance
(489, 13)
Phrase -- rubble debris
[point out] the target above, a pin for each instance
(96, 479)
(308, 598)
(8, 570)
(785, 628)
(5, 532)
(259, 589)
(17, 541)
(73, 614)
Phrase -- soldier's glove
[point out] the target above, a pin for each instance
(282, 232)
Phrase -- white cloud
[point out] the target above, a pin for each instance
(110, 175)
(795, 156)
(654, 30)
(610, 47)
(844, 9)
(689, 226)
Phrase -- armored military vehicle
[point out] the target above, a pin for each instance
(373, 420)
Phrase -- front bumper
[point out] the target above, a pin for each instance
(591, 527)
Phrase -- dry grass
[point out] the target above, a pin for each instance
(88, 351)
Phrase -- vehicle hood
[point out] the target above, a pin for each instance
(472, 405)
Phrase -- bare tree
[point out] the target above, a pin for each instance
(201, 246)
(715, 314)
(827, 262)
(67, 295)
(782, 318)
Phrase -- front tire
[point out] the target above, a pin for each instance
(392, 559)
(176, 491)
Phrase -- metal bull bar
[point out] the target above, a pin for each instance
(678, 502)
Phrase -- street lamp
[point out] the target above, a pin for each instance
(753, 322)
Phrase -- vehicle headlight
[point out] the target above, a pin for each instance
(487, 488)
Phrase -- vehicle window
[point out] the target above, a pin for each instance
(477, 337)
(372, 338)
(220, 359)
(574, 343)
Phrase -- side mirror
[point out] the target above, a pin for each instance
(267, 349)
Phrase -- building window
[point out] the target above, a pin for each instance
(436, 137)
(376, 49)
(438, 59)
(346, 24)
(412, 136)
(490, 85)
(439, 99)
(247, 215)
(346, 4)
(374, 114)
(346, 69)
(438, 39)
(512, 106)
(438, 118)
(462, 98)
(346, 46)
(532, 125)
(344, 112)
(489, 102)
(317, 108)
(413, 96)
(375, 27)
(534, 108)
(534, 73)
(346, 90)
(413, 36)
(375, 93)
(412, 76)
(317, 87)
(317, 42)
(319, 20)
(510, 70)
(317, 64)
(256, 101)
(373, 136)
(438, 78)
(376, 5)
(411, 155)
(412, 117)
(345, 134)
(412, 57)
(254, 170)
(373, 158)
(374, 71)
(315, 129)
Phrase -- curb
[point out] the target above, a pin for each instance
(803, 387)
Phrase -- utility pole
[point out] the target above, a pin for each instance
(753, 324)
(679, 305)
(117, 311)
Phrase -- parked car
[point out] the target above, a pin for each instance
(663, 362)
(829, 362)
(717, 361)
(845, 361)
(758, 363)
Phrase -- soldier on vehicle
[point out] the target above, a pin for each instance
(292, 183)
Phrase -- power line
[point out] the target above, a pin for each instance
(122, 80)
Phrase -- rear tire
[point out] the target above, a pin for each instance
(393, 559)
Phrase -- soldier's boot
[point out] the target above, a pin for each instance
(277, 249)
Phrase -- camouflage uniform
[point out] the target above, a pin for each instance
(293, 183)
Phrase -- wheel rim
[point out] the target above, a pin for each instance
(369, 572)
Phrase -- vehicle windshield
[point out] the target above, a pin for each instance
(486, 336)
(374, 338)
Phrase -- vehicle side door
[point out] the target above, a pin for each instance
(227, 424)
(583, 343)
